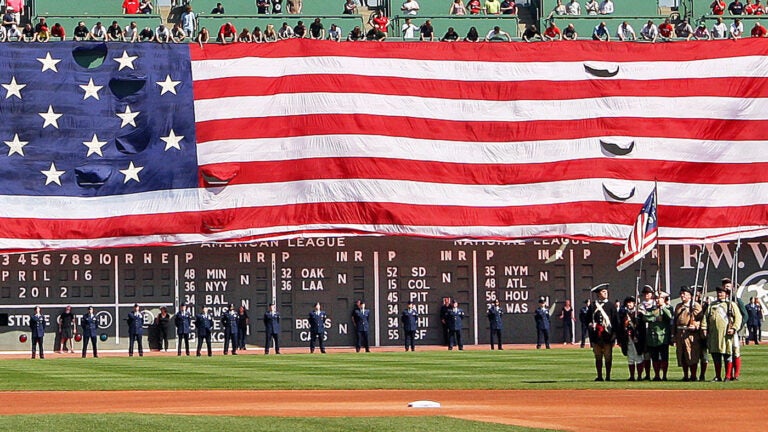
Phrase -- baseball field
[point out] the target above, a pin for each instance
(517, 389)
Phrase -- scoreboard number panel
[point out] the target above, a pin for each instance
(385, 272)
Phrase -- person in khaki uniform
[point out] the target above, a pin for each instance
(687, 316)
(719, 326)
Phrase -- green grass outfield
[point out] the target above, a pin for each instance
(509, 369)
(173, 423)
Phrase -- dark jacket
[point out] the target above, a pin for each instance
(135, 323)
(229, 322)
(541, 315)
(89, 325)
(203, 324)
(454, 319)
(183, 321)
(361, 319)
(317, 322)
(37, 325)
(494, 317)
(272, 323)
(409, 320)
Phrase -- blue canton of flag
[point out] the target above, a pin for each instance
(94, 119)
(644, 234)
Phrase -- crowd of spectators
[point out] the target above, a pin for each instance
(185, 30)
(736, 7)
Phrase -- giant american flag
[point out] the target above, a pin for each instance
(171, 144)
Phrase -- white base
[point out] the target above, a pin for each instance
(424, 404)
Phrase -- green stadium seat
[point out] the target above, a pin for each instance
(585, 25)
(248, 7)
(461, 24)
(79, 8)
(622, 8)
(69, 22)
(213, 23)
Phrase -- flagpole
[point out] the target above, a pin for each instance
(657, 282)
(637, 280)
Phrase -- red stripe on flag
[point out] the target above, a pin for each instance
(465, 51)
(369, 124)
(492, 174)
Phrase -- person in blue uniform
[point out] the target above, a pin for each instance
(229, 323)
(204, 325)
(183, 321)
(754, 320)
(135, 330)
(584, 321)
(37, 328)
(543, 325)
(455, 315)
(494, 319)
(409, 318)
(317, 320)
(272, 328)
(90, 328)
(361, 318)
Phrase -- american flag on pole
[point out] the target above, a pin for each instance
(644, 235)
(172, 144)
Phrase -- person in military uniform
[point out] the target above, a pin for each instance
(494, 319)
(603, 326)
(728, 284)
(584, 321)
(703, 346)
(657, 319)
(409, 318)
(272, 328)
(648, 302)
(628, 338)
(455, 317)
(543, 324)
(90, 331)
(361, 318)
(687, 322)
(183, 321)
(754, 320)
(317, 319)
(229, 323)
(719, 326)
(135, 330)
(204, 325)
(37, 328)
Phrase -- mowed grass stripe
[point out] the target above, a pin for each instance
(522, 369)
(175, 423)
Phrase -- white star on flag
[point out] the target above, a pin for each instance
(91, 90)
(53, 175)
(128, 117)
(94, 146)
(16, 145)
(51, 118)
(125, 61)
(49, 63)
(13, 88)
(168, 85)
(131, 173)
(172, 141)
